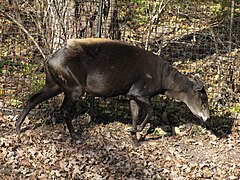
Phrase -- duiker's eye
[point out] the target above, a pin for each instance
(203, 97)
(203, 106)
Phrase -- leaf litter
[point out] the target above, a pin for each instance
(107, 152)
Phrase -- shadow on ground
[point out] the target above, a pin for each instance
(167, 115)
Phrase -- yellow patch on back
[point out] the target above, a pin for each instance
(77, 42)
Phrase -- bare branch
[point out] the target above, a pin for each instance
(231, 26)
(155, 19)
(26, 32)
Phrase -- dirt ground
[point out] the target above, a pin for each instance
(106, 151)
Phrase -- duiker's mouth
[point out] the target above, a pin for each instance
(205, 118)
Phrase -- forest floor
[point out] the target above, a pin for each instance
(106, 151)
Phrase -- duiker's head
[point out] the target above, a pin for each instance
(197, 99)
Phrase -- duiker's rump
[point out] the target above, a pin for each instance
(107, 68)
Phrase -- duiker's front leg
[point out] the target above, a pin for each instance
(144, 104)
(134, 112)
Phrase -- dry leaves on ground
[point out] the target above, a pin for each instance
(107, 152)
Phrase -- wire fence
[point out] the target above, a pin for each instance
(195, 36)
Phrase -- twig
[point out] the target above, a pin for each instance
(40, 23)
(26, 32)
(155, 19)
(231, 25)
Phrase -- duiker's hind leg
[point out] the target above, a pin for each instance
(68, 110)
(48, 91)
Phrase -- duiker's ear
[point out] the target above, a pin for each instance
(197, 78)
(198, 83)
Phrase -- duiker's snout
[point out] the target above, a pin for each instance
(204, 115)
(199, 111)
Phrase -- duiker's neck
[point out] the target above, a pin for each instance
(176, 85)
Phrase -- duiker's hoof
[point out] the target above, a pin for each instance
(134, 138)
(75, 136)
(136, 143)
(18, 129)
